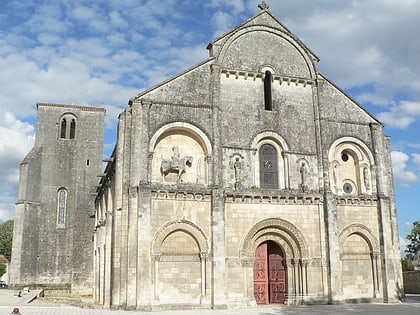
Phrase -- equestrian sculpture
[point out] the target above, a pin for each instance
(175, 166)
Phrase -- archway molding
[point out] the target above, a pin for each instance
(182, 225)
(289, 237)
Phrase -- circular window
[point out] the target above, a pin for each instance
(347, 188)
(344, 157)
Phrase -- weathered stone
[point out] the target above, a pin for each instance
(291, 164)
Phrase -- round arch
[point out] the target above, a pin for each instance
(357, 146)
(280, 145)
(362, 231)
(181, 125)
(304, 53)
(269, 135)
(183, 225)
(289, 237)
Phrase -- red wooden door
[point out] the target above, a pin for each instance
(277, 274)
(261, 274)
(269, 274)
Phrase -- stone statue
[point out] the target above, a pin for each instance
(175, 165)
(303, 177)
(237, 166)
(366, 177)
(175, 154)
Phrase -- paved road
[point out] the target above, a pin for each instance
(44, 307)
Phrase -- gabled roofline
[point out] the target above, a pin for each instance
(81, 107)
(351, 98)
(169, 79)
(274, 18)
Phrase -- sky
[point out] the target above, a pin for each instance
(102, 52)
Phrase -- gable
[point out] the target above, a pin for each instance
(188, 87)
(335, 105)
(264, 41)
(257, 47)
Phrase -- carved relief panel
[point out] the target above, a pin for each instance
(179, 158)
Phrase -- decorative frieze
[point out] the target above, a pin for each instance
(275, 199)
(180, 195)
(357, 201)
(245, 75)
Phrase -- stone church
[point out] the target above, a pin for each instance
(247, 179)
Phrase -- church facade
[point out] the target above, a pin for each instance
(247, 179)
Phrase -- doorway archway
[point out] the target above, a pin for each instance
(294, 251)
(270, 274)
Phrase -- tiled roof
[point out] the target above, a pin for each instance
(3, 259)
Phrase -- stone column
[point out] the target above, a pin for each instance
(118, 215)
(218, 250)
(132, 248)
(145, 294)
(304, 277)
(203, 260)
(156, 277)
(291, 282)
(332, 247)
(215, 163)
(374, 257)
(383, 186)
(335, 290)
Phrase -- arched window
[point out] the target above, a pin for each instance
(268, 101)
(68, 127)
(61, 207)
(269, 177)
(63, 128)
(351, 167)
(72, 128)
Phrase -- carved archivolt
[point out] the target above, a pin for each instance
(183, 126)
(282, 232)
(351, 167)
(361, 230)
(182, 225)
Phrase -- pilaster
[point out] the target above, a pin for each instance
(218, 250)
(145, 289)
(392, 289)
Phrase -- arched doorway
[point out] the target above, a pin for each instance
(270, 274)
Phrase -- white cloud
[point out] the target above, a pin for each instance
(359, 42)
(16, 140)
(402, 115)
(221, 22)
(402, 175)
(416, 159)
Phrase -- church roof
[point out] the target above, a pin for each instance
(263, 18)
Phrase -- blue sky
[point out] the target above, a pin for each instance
(102, 52)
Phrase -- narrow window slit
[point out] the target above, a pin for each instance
(268, 100)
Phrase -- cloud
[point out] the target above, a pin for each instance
(360, 41)
(402, 175)
(221, 22)
(16, 140)
(402, 115)
(416, 159)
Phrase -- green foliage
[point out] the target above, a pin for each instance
(406, 264)
(2, 269)
(6, 237)
(414, 239)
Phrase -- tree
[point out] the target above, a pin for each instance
(414, 240)
(406, 264)
(6, 237)
(2, 269)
